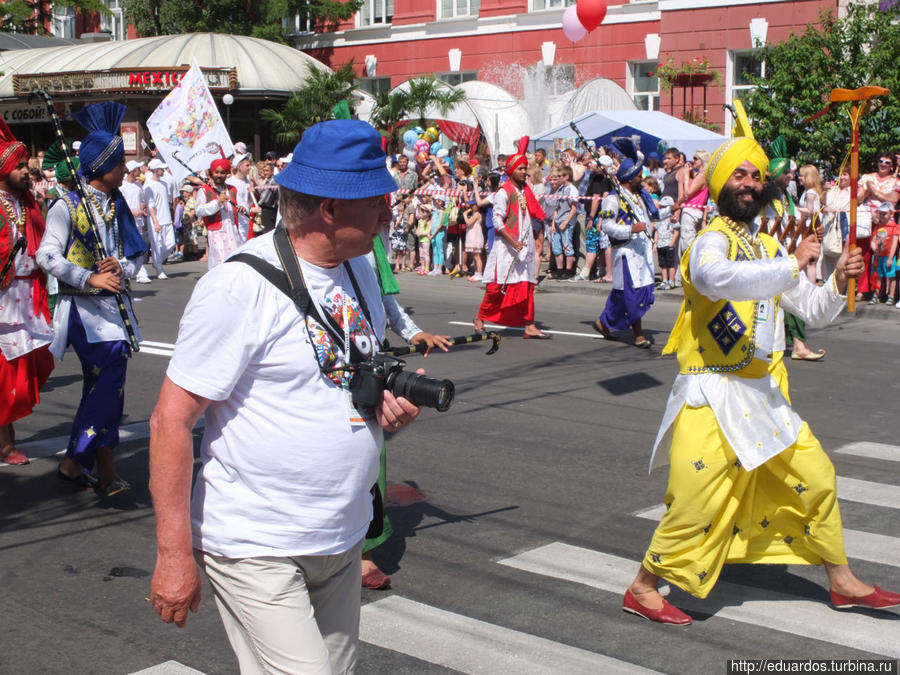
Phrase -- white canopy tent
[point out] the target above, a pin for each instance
(647, 127)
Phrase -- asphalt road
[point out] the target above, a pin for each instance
(536, 509)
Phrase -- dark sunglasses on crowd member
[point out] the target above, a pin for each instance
(886, 161)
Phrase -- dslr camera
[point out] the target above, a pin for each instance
(383, 371)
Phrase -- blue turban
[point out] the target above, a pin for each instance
(633, 162)
(102, 149)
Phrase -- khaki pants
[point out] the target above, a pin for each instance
(289, 615)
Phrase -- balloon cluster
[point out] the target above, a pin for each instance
(583, 17)
(420, 144)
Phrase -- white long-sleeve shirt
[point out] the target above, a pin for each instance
(638, 252)
(753, 414)
(99, 313)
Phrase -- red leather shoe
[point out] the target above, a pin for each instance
(879, 599)
(668, 614)
(376, 580)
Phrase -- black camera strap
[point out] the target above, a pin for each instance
(290, 281)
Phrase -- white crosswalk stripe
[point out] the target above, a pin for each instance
(768, 609)
(884, 451)
(473, 646)
(168, 668)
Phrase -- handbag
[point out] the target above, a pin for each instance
(831, 242)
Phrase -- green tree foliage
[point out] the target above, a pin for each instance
(31, 16)
(859, 49)
(394, 108)
(312, 103)
(262, 18)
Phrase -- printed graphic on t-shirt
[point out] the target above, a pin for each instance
(331, 361)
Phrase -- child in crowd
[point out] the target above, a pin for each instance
(563, 207)
(884, 241)
(423, 234)
(410, 222)
(439, 217)
(665, 241)
(398, 234)
(475, 239)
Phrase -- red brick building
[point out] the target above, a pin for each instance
(458, 40)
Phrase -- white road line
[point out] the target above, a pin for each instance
(573, 563)
(168, 668)
(164, 345)
(154, 350)
(493, 326)
(48, 447)
(884, 451)
(472, 646)
(860, 545)
(867, 492)
(768, 609)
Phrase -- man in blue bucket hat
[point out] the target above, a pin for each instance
(282, 501)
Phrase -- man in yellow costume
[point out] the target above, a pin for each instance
(748, 482)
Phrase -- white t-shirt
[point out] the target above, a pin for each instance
(284, 472)
(157, 194)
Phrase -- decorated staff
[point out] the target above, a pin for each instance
(94, 315)
(859, 105)
(25, 361)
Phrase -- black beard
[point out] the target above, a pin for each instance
(730, 207)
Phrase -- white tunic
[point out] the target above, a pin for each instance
(21, 330)
(637, 253)
(99, 313)
(137, 201)
(755, 418)
(504, 264)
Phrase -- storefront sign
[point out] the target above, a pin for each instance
(30, 114)
(145, 80)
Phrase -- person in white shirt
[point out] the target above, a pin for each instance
(282, 500)
(748, 483)
(159, 212)
(241, 184)
(133, 191)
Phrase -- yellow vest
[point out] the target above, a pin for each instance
(719, 336)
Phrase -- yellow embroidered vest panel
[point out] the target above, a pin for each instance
(719, 336)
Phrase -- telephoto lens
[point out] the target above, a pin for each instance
(421, 390)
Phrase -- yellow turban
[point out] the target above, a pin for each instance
(728, 157)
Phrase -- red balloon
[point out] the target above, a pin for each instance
(590, 13)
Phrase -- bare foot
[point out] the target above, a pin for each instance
(648, 597)
(478, 324)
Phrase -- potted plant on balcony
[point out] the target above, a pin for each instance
(694, 73)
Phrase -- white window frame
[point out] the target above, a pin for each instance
(439, 9)
(460, 75)
(115, 22)
(299, 24)
(543, 5)
(370, 84)
(63, 22)
(378, 9)
(730, 73)
(630, 85)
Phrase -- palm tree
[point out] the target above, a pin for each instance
(312, 103)
(429, 92)
(389, 111)
(423, 94)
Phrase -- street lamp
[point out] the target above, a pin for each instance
(227, 100)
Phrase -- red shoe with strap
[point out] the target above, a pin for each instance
(878, 599)
(376, 580)
(668, 613)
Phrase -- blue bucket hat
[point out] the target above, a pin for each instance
(340, 159)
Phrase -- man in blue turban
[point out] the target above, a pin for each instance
(87, 318)
(626, 214)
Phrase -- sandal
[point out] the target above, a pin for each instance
(643, 343)
(601, 329)
(115, 487)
